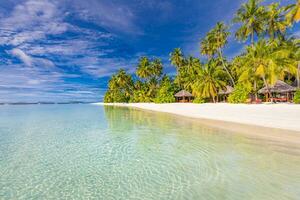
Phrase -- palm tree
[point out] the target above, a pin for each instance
(270, 61)
(119, 87)
(190, 72)
(177, 58)
(294, 13)
(213, 43)
(123, 79)
(152, 88)
(298, 67)
(206, 48)
(276, 23)
(156, 68)
(251, 18)
(143, 70)
(293, 46)
(210, 81)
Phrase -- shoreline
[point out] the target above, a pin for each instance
(280, 122)
(279, 116)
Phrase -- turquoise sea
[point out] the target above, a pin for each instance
(96, 152)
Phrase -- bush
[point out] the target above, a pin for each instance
(199, 100)
(297, 97)
(239, 95)
(165, 93)
(115, 97)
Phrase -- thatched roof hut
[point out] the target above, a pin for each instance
(227, 91)
(183, 96)
(183, 93)
(278, 87)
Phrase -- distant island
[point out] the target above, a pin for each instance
(44, 103)
(268, 68)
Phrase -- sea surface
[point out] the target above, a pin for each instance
(97, 152)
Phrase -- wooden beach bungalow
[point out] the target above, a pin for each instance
(223, 94)
(183, 96)
(281, 92)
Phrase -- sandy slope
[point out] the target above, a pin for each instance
(283, 116)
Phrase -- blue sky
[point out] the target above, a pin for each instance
(63, 50)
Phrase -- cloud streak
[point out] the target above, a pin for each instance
(61, 50)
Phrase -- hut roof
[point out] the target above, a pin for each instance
(183, 93)
(279, 87)
(228, 90)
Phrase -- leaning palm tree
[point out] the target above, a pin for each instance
(210, 81)
(213, 44)
(251, 18)
(275, 20)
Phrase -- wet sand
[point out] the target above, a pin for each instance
(276, 122)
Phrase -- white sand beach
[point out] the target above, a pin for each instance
(279, 116)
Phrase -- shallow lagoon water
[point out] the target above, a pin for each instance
(96, 152)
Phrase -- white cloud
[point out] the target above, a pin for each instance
(104, 67)
(27, 60)
(32, 31)
(31, 20)
(112, 15)
(35, 84)
(30, 61)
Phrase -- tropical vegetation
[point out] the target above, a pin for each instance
(297, 97)
(270, 53)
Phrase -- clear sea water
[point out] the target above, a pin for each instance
(96, 152)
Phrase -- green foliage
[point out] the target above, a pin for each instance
(177, 58)
(275, 21)
(210, 81)
(239, 95)
(297, 97)
(214, 42)
(188, 73)
(119, 88)
(115, 97)
(271, 56)
(199, 100)
(251, 19)
(166, 91)
(293, 14)
(140, 93)
(148, 69)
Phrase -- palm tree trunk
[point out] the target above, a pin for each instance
(225, 68)
(254, 88)
(252, 38)
(268, 88)
(213, 97)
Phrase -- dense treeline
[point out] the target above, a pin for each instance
(272, 54)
